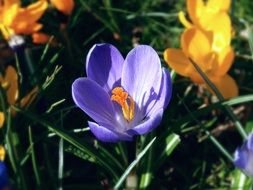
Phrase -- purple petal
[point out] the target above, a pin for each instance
(104, 65)
(240, 158)
(149, 124)
(106, 135)
(4, 180)
(250, 142)
(164, 95)
(93, 100)
(141, 74)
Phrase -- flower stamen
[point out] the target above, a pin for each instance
(125, 101)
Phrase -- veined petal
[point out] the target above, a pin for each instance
(93, 100)
(151, 122)
(226, 85)
(164, 95)
(104, 65)
(141, 74)
(177, 60)
(106, 135)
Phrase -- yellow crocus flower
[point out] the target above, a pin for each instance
(2, 153)
(15, 19)
(214, 61)
(212, 17)
(64, 6)
(9, 82)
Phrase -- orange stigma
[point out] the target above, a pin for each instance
(125, 101)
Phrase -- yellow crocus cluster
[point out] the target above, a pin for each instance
(18, 20)
(15, 19)
(9, 84)
(206, 40)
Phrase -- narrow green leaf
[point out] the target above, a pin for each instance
(133, 164)
(240, 181)
(233, 117)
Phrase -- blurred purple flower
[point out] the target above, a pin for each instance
(244, 156)
(4, 180)
(124, 97)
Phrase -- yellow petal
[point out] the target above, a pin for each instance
(183, 20)
(2, 119)
(9, 14)
(11, 77)
(34, 11)
(25, 22)
(40, 38)
(2, 153)
(29, 98)
(177, 60)
(195, 9)
(196, 45)
(220, 25)
(219, 5)
(226, 85)
(224, 61)
(65, 6)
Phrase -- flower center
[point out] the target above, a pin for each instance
(125, 101)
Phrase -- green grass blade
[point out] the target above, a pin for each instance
(221, 98)
(133, 164)
(240, 181)
(34, 162)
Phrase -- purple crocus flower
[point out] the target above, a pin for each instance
(123, 97)
(4, 180)
(244, 156)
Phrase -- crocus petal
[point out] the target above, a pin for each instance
(219, 5)
(240, 157)
(148, 124)
(220, 26)
(225, 61)
(249, 143)
(32, 13)
(164, 95)
(226, 85)
(195, 44)
(65, 6)
(183, 20)
(3, 175)
(2, 119)
(93, 100)
(40, 38)
(177, 60)
(104, 65)
(10, 83)
(141, 74)
(195, 9)
(105, 134)
(2, 153)
(243, 157)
